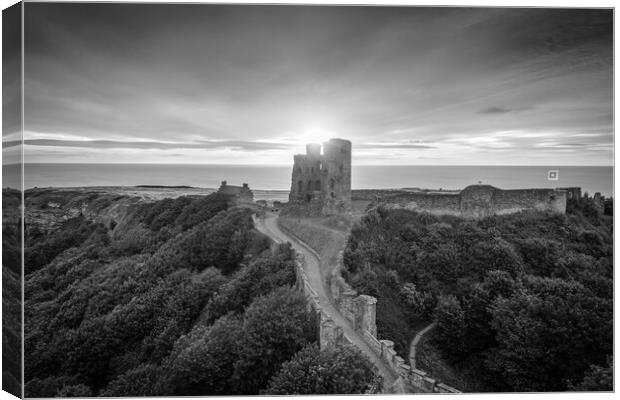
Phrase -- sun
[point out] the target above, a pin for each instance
(315, 134)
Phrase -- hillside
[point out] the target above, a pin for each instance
(127, 296)
(522, 302)
(11, 292)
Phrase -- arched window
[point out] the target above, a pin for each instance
(309, 186)
(299, 186)
(332, 194)
(317, 185)
(331, 184)
(341, 168)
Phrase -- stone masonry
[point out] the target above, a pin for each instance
(478, 201)
(241, 194)
(321, 183)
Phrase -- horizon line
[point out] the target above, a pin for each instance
(291, 165)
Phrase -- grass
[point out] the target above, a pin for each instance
(327, 236)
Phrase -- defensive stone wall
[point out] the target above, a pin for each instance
(329, 334)
(360, 311)
(434, 203)
(476, 201)
(511, 201)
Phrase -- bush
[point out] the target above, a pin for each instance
(202, 361)
(334, 370)
(268, 342)
(450, 329)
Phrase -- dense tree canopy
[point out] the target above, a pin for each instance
(522, 302)
(134, 309)
(328, 371)
(178, 297)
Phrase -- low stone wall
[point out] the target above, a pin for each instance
(329, 334)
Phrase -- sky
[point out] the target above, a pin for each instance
(235, 84)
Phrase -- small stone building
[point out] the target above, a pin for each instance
(321, 183)
(242, 194)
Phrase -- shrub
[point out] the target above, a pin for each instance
(334, 370)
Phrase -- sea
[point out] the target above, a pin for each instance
(278, 178)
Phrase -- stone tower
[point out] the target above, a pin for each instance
(321, 183)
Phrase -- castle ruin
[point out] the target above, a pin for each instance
(241, 194)
(321, 183)
(321, 186)
(478, 201)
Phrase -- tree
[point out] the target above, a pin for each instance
(79, 390)
(144, 380)
(202, 361)
(263, 275)
(334, 370)
(450, 329)
(597, 378)
(275, 327)
(548, 333)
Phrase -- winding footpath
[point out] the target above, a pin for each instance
(414, 344)
(312, 266)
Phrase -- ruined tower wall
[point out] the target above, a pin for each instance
(241, 194)
(321, 183)
(337, 176)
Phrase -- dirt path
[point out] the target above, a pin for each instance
(414, 344)
(312, 267)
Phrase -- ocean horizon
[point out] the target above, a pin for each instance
(260, 177)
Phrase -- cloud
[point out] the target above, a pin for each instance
(393, 145)
(111, 144)
(237, 78)
(502, 110)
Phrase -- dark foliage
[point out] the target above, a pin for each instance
(327, 371)
(124, 313)
(275, 327)
(11, 292)
(523, 301)
(597, 378)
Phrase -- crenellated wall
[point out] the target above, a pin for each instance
(477, 201)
